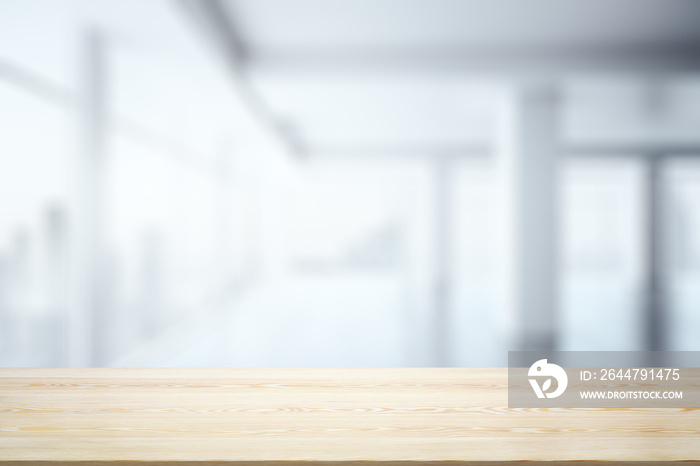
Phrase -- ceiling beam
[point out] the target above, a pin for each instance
(635, 148)
(54, 93)
(217, 25)
(34, 84)
(481, 149)
(400, 150)
(511, 63)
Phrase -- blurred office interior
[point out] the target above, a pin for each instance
(347, 182)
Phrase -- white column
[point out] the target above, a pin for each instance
(83, 339)
(527, 162)
(443, 264)
(656, 317)
(224, 193)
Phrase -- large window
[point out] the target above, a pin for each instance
(601, 213)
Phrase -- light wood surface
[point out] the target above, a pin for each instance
(247, 416)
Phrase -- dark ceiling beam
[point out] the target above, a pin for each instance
(481, 149)
(636, 148)
(511, 63)
(216, 23)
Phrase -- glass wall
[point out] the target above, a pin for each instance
(153, 213)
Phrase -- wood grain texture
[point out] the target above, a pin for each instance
(278, 416)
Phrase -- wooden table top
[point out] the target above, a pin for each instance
(315, 415)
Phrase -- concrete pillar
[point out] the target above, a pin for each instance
(526, 159)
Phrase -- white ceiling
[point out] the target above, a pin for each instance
(384, 112)
(279, 25)
(330, 106)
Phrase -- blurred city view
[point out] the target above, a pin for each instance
(346, 182)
